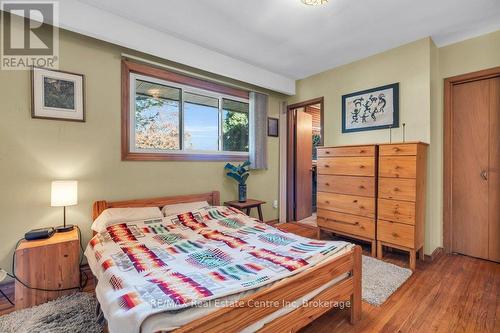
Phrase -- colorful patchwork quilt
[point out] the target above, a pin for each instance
(179, 261)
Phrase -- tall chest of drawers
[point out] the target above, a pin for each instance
(346, 197)
(401, 198)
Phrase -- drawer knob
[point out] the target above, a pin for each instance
(361, 166)
(397, 167)
(327, 152)
(395, 235)
(361, 187)
(396, 189)
(355, 201)
(396, 211)
(362, 151)
(327, 202)
(396, 149)
(327, 166)
(327, 184)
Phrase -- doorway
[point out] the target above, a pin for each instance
(471, 165)
(304, 134)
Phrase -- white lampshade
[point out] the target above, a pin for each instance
(64, 193)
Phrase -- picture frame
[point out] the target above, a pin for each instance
(57, 95)
(272, 127)
(371, 109)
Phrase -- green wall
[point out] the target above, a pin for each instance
(33, 152)
(420, 67)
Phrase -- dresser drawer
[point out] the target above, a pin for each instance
(398, 166)
(346, 223)
(349, 204)
(396, 233)
(396, 211)
(398, 149)
(397, 188)
(346, 151)
(349, 166)
(355, 185)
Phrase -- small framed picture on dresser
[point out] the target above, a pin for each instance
(57, 95)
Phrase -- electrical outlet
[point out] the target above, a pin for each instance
(3, 275)
(275, 204)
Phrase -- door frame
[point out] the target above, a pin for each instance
(447, 146)
(290, 162)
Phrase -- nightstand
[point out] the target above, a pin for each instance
(247, 206)
(52, 263)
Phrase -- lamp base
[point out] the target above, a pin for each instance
(65, 228)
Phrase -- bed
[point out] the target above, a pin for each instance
(327, 282)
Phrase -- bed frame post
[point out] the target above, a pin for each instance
(356, 294)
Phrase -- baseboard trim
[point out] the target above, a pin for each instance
(438, 251)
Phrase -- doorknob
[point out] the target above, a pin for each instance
(484, 175)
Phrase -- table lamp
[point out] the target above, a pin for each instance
(64, 193)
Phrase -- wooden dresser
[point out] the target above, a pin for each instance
(346, 197)
(401, 198)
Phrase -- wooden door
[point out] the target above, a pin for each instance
(303, 166)
(474, 167)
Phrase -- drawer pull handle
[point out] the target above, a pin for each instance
(395, 235)
(343, 222)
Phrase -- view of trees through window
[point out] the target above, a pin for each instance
(164, 114)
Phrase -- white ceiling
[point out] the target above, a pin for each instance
(271, 43)
(294, 40)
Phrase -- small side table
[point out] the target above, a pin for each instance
(52, 263)
(247, 206)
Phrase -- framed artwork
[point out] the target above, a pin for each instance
(57, 95)
(371, 109)
(273, 127)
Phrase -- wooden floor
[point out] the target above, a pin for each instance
(453, 293)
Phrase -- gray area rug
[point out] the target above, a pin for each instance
(73, 313)
(381, 279)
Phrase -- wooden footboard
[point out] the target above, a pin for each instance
(252, 308)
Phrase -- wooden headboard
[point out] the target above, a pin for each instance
(213, 198)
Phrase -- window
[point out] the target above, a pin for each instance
(174, 117)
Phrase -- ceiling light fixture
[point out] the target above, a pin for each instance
(314, 2)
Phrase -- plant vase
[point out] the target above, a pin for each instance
(242, 192)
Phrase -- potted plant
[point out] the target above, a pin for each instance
(239, 173)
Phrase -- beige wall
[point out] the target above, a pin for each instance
(464, 57)
(420, 67)
(33, 152)
(410, 66)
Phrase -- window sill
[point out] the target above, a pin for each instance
(182, 157)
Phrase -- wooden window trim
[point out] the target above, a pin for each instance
(129, 67)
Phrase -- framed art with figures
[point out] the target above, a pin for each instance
(371, 109)
(57, 95)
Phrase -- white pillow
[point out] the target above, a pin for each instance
(180, 208)
(112, 216)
